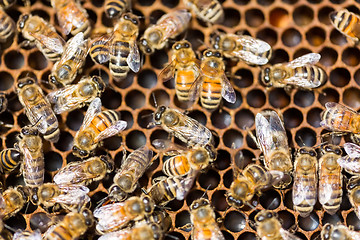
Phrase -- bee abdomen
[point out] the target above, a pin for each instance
(114, 8)
(10, 158)
(313, 74)
(211, 94)
(338, 118)
(213, 13)
(34, 173)
(184, 80)
(7, 26)
(104, 120)
(164, 191)
(60, 233)
(176, 166)
(99, 52)
(118, 60)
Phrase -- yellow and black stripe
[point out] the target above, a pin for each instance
(118, 59)
(103, 120)
(114, 8)
(10, 159)
(7, 26)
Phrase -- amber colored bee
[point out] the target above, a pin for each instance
(120, 47)
(351, 162)
(304, 192)
(38, 109)
(114, 8)
(114, 216)
(300, 72)
(330, 179)
(97, 125)
(184, 67)
(138, 232)
(335, 232)
(168, 26)
(209, 11)
(71, 227)
(7, 26)
(27, 235)
(9, 159)
(348, 23)
(76, 96)
(160, 218)
(3, 102)
(250, 50)
(132, 168)
(213, 83)
(84, 172)
(268, 227)
(273, 142)
(184, 159)
(65, 70)
(72, 17)
(204, 225)
(353, 188)
(31, 147)
(13, 200)
(36, 30)
(185, 128)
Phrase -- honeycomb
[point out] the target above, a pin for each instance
(291, 27)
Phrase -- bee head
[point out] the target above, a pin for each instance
(25, 81)
(211, 151)
(212, 53)
(22, 20)
(159, 113)
(237, 203)
(109, 162)
(264, 215)
(326, 232)
(24, 191)
(264, 76)
(53, 81)
(215, 40)
(148, 204)
(29, 131)
(307, 150)
(145, 47)
(199, 203)
(157, 231)
(131, 17)
(79, 152)
(330, 148)
(117, 194)
(181, 44)
(353, 183)
(88, 217)
(99, 83)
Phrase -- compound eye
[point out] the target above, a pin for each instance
(126, 17)
(217, 54)
(303, 151)
(187, 45)
(177, 46)
(208, 53)
(312, 153)
(337, 151)
(269, 215)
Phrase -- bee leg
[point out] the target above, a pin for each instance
(158, 179)
(252, 136)
(186, 227)
(355, 138)
(331, 134)
(27, 44)
(219, 220)
(288, 89)
(293, 228)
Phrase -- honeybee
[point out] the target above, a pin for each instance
(132, 168)
(207, 10)
(3, 101)
(76, 96)
(7, 26)
(168, 26)
(340, 118)
(351, 162)
(30, 145)
(269, 227)
(71, 227)
(347, 23)
(273, 142)
(119, 48)
(204, 221)
(184, 159)
(9, 159)
(304, 192)
(72, 17)
(250, 50)
(84, 172)
(97, 125)
(13, 200)
(300, 72)
(36, 30)
(114, 216)
(114, 8)
(65, 70)
(330, 179)
(138, 232)
(38, 109)
(161, 218)
(213, 83)
(27, 235)
(353, 188)
(334, 232)
(70, 197)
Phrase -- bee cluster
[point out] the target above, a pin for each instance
(114, 127)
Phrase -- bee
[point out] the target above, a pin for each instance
(213, 83)
(168, 26)
(160, 218)
(72, 17)
(132, 168)
(36, 30)
(184, 66)
(38, 109)
(138, 232)
(3, 101)
(304, 192)
(71, 227)
(330, 179)
(273, 142)
(97, 125)
(76, 96)
(334, 232)
(204, 221)
(209, 11)
(33, 166)
(185, 128)
(351, 162)
(119, 48)
(27, 235)
(341, 119)
(69, 197)
(84, 172)
(269, 227)
(353, 188)
(184, 159)
(7, 26)
(114, 8)
(300, 72)
(347, 23)
(114, 216)
(65, 70)
(13, 200)
(9, 159)
(250, 50)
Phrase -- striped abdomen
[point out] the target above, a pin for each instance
(184, 78)
(210, 12)
(176, 166)
(313, 74)
(210, 95)
(346, 22)
(10, 159)
(118, 64)
(7, 26)
(59, 233)
(44, 46)
(114, 8)
(305, 186)
(33, 170)
(166, 190)
(99, 51)
(103, 120)
(339, 119)
(175, 23)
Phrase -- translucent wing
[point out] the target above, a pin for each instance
(287, 235)
(325, 193)
(302, 82)
(168, 72)
(133, 59)
(227, 90)
(64, 100)
(196, 88)
(307, 59)
(56, 45)
(301, 190)
(353, 234)
(114, 129)
(118, 235)
(186, 183)
(72, 195)
(26, 235)
(31, 165)
(274, 177)
(249, 57)
(337, 112)
(253, 44)
(111, 216)
(72, 173)
(94, 108)
(100, 49)
(352, 150)
(169, 147)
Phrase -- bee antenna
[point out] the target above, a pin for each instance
(99, 203)
(202, 42)
(171, 236)
(253, 207)
(147, 115)
(10, 228)
(155, 102)
(205, 193)
(301, 140)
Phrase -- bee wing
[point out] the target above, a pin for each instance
(195, 88)
(114, 129)
(250, 57)
(133, 59)
(302, 82)
(30, 164)
(100, 48)
(353, 234)
(286, 235)
(253, 44)
(72, 194)
(54, 44)
(118, 235)
(166, 145)
(71, 50)
(185, 185)
(168, 72)
(20, 235)
(325, 193)
(94, 108)
(352, 149)
(338, 111)
(68, 100)
(110, 216)
(307, 59)
(300, 191)
(73, 172)
(227, 90)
